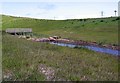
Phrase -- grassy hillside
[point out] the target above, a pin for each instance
(97, 29)
(28, 60)
(22, 60)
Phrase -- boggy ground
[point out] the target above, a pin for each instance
(28, 60)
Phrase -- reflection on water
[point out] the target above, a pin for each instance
(97, 49)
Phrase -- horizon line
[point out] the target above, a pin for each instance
(58, 19)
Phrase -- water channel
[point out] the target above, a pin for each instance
(97, 49)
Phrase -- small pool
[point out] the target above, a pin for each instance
(97, 49)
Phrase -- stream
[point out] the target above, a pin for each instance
(97, 49)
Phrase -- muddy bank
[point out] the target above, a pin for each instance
(87, 43)
(73, 42)
(79, 42)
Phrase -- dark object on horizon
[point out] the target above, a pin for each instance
(101, 21)
(115, 12)
(118, 18)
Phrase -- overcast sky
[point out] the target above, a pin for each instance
(59, 9)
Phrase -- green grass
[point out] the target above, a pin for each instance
(96, 29)
(22, 58)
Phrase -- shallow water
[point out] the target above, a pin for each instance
(97, 49)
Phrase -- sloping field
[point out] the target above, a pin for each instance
(24, 60)
(28, 60)
(103, 30)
